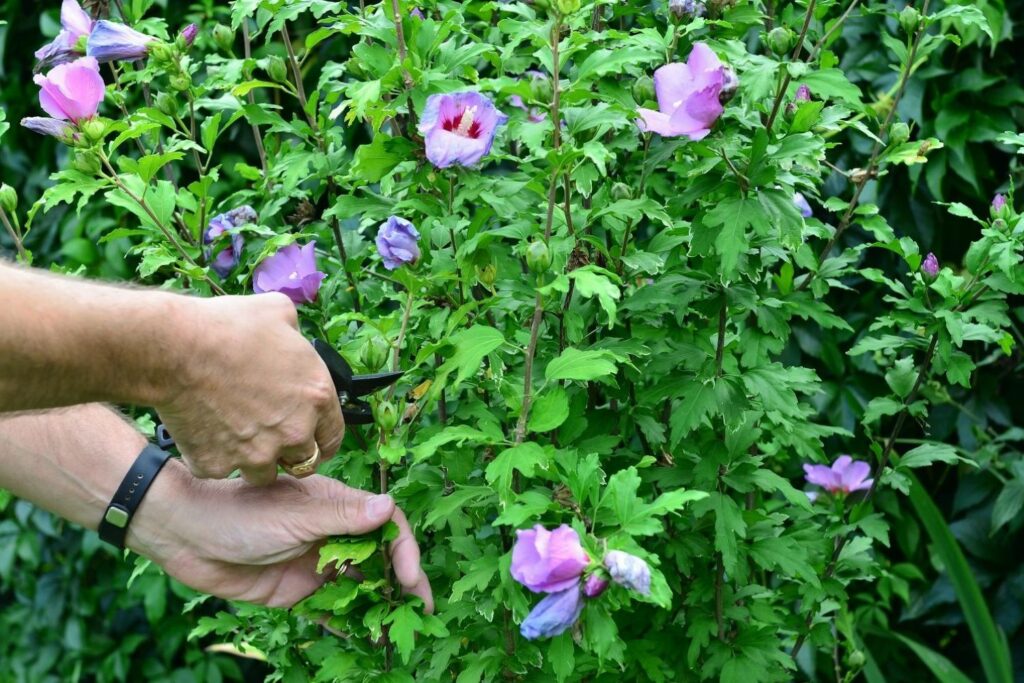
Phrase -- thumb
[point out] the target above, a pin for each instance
(356, 512)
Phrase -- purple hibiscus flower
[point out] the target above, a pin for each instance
(44, 125)
(930, 266)
(227, 258)
(291, 271)
(801, 203)
(688, 96)
(554, 614)
(459, 128)
(111, 41)
(548, 561)
(71, 91)
(396, 242)
(75, 23)
(629, 571)
(845, 476)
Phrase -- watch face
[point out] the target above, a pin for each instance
(117, 517)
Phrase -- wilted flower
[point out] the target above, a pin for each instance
(548, 561)
(553, 615)
(111, 41)
(803, 94)
(75, 24)
(44, 125)
(594, 585)
(930, 266)
(189, 33)
(845, 475)
(291, 271)
(801, 203)
(71, 91)
(688, 96)
(396, 242)
(629, 571)
(998, 202)
(227, 258)
(459, 128)
(687, 8)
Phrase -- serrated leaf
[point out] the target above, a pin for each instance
(549, 410)
(346, 551)
(580, 364)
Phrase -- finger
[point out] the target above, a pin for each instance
(330, 426)
(283, 306)
(351, 512)
(260, 476)
(301, 461)
(216, 470)
(405, 560)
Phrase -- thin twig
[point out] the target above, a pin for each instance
(832, 29)
(781, 93)
(247, 46)
(400, 38)
(18, 244)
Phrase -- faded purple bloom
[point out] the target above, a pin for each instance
(548, 561)
(594, 585)
(930, 267)
(801, 203)
(688, 96)
(291, 271)
(72, 91)
(803, 94)
(998, 202)
(533, 114)
(396, 242)
(845, 476)
(75, 23)
(47, 126)
(111, 41)
(189, 33)
(629, 571)
(687, 8)
(553, 615)
(227, 258)
(459, 128)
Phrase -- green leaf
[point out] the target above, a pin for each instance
(405, 622)
(339, 552)
(580, 364)
(471, 345)
(734, 215)
(698, 402)
(622, 506)
(928, 453)
(729, 525)
(459, 434)
(1008, 503)
(524, 458)
(988, 639)
(943, 669)
(592, 281)
(902, 376)
(561, 654)
(549, 411)
(833, 83)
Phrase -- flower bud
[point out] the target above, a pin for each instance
(731, 83)
(181, 82)
(224, 37)
(643, 89)
(277, 69)
(86, 161)
(622, 191)
(94, 130)
(8, 198)
(162, 54)
(538, 256)
(167, 104)
(856, 659)
(564, 7)
(999, 206)
(374, 353)
(386, 415)
(803, 94)
(628, 571)
(780, 40)
(899, 133)
(930, 266)
(595, 585)
(487, 274)
(910, 19)
(999, 224)
(188, 36)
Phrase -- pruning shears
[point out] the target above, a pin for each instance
(349, 387)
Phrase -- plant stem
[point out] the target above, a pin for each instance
(403, 52)
(719, 596)
(786, 78)
(723, 315)
(835, 27)
(18, 244)
(397, 352)
(247, 46)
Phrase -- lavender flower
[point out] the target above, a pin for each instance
(417, 12)
(72, 91)
(189, 33)
(930, 267)
(44, 125)
(459, 128)
(111, 41)
(629, 571)
(227, 258)
(554, 614)
(845, 476)
(594, 585)
(801, 203)
(396, 242)
(688, 96)
(291, 271)
(75, 24)
(548, 561)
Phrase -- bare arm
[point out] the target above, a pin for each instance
(227, 538)
(232, 378)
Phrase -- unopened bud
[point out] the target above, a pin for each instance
(564, 7)
(487, 274)
(856, 659)
(899, 133)
(999, 205)
(643, 89)
(538, 256)
(910, 19)
(8, 198)
(803, 94)
(167, 104)
(94, 130)
(180, 82)
(930, 266)
(86, 161)
(277, 69)
(780, 40)
(224, 37)
(188, 36)
(595, 585)
(621, 191)
(386, 415)
(161, 54)
(374, 353)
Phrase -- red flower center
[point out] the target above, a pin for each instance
(464, 124)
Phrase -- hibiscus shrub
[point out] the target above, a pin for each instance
(584, 231)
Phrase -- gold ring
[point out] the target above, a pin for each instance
(304, 468)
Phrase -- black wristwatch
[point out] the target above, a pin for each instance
(114, 525)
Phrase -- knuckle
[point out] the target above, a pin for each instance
(321, 392)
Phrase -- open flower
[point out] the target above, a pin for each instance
(75, 24)
(548, 561)
(72, 91)
(845, 476)
(459, 128)
(629, 571)
(553, 615)
(227, 258)
(396, 242)
(688, 96)
(111, 41)
(291, 271)
(801, 203)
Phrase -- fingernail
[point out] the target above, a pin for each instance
(379, 506)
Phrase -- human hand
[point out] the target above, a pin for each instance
(261, 544)
(249, 391)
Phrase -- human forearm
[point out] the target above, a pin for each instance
(65, 341)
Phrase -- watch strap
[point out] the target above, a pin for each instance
(114, 525)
